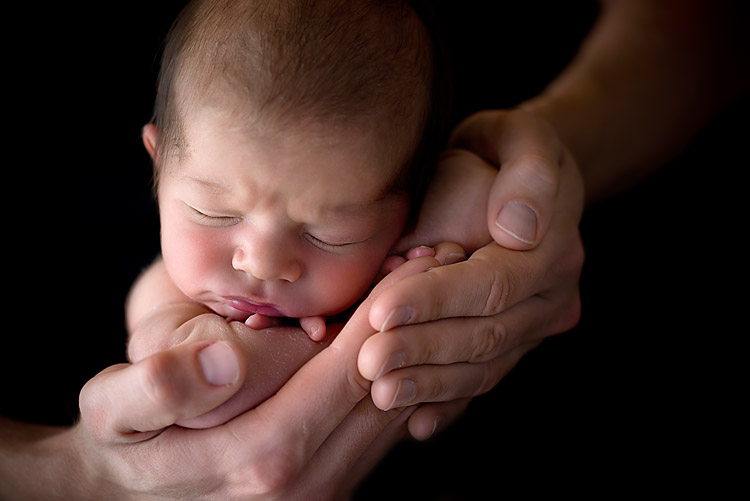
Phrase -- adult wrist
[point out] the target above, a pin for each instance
(38, 461)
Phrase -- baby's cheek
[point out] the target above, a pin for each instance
(344, 284)
(192, 258)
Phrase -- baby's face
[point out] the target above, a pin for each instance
(295, 224)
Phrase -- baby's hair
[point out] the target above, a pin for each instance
(296, 62)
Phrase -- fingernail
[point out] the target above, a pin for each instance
(519, 221)
(399, 316)
(219, 364)
(420, 251)
(437, 423)
(394, 361)
(405, 393)
(454, 257)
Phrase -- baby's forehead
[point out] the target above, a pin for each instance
(370, 139)
(216, 138)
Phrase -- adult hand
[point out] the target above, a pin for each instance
(455, 331)
(317, 436)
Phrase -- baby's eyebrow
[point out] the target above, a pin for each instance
(215, 187)
(356, 209)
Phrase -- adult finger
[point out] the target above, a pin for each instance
(480, 339)
(444, 383)
(430, 418)
(528, 154)
(180, 383)
(365, 436)
(493, 278)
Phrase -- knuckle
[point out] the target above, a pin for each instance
(428, 349)
(440, 389)
(533, 123)
(536, 170)
(488, 341)
(490, 376)
(158, 382)
(273, 475)
(574, 259)
(570, 315)
(498, 292)
(358, 386)
(93, 411)
(268, 468)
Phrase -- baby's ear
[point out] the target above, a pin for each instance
(150, 135)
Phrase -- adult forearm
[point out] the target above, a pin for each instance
(647, 78)
(40, 462)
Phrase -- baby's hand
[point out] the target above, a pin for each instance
(314, 327)
(445, 253)
(259, 321)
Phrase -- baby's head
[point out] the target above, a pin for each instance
(291, 139)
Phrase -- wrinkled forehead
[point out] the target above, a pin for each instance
(221, 127)
(217, 143)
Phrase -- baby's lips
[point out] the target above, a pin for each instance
(246, 306)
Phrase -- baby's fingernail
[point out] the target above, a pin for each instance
(420, 251)
(317, 330)
(219, 364)
(519, 221)
(315, 333)
(399, 316)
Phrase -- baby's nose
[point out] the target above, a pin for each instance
(267, 258)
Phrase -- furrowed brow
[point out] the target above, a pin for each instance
(214, 187)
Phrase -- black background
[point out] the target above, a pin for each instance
(642, 396)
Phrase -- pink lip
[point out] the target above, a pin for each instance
(246, 306)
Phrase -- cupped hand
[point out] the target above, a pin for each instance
(316, 437)
(453, 332)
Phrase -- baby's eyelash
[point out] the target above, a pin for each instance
(213, 220)
(323, 244)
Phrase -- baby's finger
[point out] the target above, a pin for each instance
(420, 251)
(390, 264)
(449, 253)
(259, 321)
(314, 327)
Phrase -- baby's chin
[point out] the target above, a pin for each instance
(273, 356)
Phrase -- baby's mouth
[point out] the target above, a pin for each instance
(251, 307)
